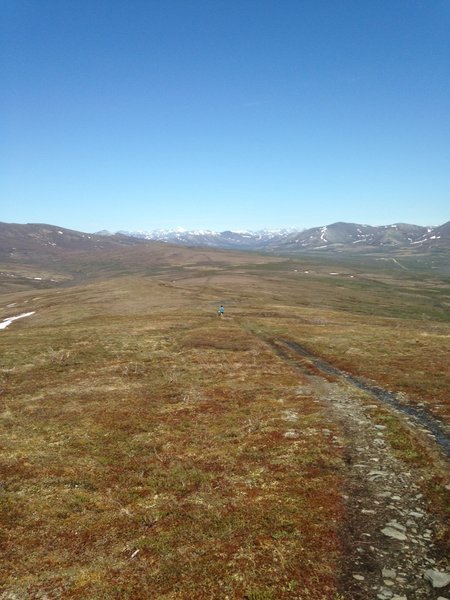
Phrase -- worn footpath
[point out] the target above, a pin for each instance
(389, 533)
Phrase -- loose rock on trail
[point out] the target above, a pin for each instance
(389, 532)
(418, 415)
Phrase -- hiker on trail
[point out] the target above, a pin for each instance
(221, 311)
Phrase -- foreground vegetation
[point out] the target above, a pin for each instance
(154, 450)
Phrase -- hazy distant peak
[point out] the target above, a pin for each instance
(334, 236)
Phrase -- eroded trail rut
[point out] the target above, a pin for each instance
(418, 415)
(389, 532)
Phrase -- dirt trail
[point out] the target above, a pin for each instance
(389, 532)
(419, 416)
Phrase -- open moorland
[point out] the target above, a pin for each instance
(296, 448)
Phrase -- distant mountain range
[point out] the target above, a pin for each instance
(338, 236)
(22, 241)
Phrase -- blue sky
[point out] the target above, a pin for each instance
(244, 114)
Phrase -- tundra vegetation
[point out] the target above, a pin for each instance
(152, 450)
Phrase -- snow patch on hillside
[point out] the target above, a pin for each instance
(7, 322)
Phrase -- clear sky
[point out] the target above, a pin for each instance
(214, 114)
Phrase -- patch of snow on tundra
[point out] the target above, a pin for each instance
(6, 322)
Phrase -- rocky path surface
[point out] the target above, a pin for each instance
(392, 533)
(416, 415)
(389, 532)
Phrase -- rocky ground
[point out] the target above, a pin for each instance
(392, 532)
(389, 531)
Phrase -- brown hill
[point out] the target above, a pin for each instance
(20, 241)
(38, 256)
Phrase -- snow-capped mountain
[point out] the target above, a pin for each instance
(34, 240)
(349, 236)
(244, 240)
(338, 235)
(435, 235)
